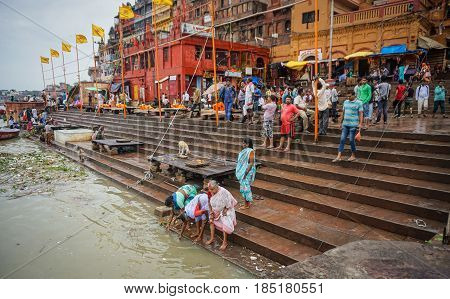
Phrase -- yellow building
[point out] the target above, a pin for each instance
(357, 27)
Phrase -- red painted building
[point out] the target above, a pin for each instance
(178, 57)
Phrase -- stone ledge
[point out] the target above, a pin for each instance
(375, 259)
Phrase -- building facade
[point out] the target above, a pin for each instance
(184, 54)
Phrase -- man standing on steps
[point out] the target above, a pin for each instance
(352, 118)
(365, 95)
(439, 99)
(289, 113)
(247, 109)
(228, 94)
(384, 89)
(422, 95)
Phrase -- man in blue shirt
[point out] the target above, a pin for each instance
(228, 94)
(439, 99)
(351, 121)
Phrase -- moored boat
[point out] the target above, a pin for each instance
(6, 133)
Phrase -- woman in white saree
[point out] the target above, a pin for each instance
(222, 213)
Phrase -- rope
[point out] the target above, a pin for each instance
(148, 174)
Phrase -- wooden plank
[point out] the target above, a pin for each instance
(215, 168)
(114, 143)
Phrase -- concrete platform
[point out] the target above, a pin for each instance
(375, 259)
(63, 136)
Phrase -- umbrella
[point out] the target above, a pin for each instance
(358, 54)
(296, 65)
(211, 90)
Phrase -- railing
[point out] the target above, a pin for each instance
(374, 14)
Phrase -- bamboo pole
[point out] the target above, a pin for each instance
(155, 38)
(330, 67)
(54, 84)
(123, 69)
(65, 81)
(213, 33)
(43, 77)
(79, 78)
(316, 70)
(95, 76)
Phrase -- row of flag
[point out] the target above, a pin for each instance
(125, 13)
(79, 39)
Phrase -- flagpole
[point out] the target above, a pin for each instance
(123, 68)
(330, 68)
(79, 79)
(155, 38)
(213, 32)
(95, 74)
(43, 77)
(65, 81)
(54, 84)
(316, 70)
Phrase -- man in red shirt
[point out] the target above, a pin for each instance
(399, 98)
(289, 113)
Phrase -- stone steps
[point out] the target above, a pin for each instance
(405, 157)
(310, 205)
(313, 230)
(440, 148)
(389, 182)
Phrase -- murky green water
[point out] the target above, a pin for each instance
(91, 228)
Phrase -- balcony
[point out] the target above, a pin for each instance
(375, 14)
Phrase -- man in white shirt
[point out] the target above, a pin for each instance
(323, 102)
(100, 99)
(247, 110)
(300, 103)
(334, 103)
(422, 95)
(186, 99)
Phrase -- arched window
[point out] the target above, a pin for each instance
(287, 26)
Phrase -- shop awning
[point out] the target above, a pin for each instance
(95, 89)
(295, 65)
(358, 54)
(428, 43)
(115, 87)
(394, 49)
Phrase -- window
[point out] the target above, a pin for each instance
(208, 53)
(234, 58)
(165, 54)
(198, 52)
(222, 57)
(222, 3)
(308, 17)
(134, 64)
(152, 58)
(260, 31)
(142, 61)
(197, 12)
(287, 26)
(127, 64)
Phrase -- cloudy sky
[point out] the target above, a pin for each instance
(22, 42)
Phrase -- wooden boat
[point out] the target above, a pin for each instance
(6, 133)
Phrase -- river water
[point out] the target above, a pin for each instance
(80, 225)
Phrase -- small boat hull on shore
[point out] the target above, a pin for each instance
(9, 133)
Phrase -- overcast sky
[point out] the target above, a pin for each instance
(22, 42)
